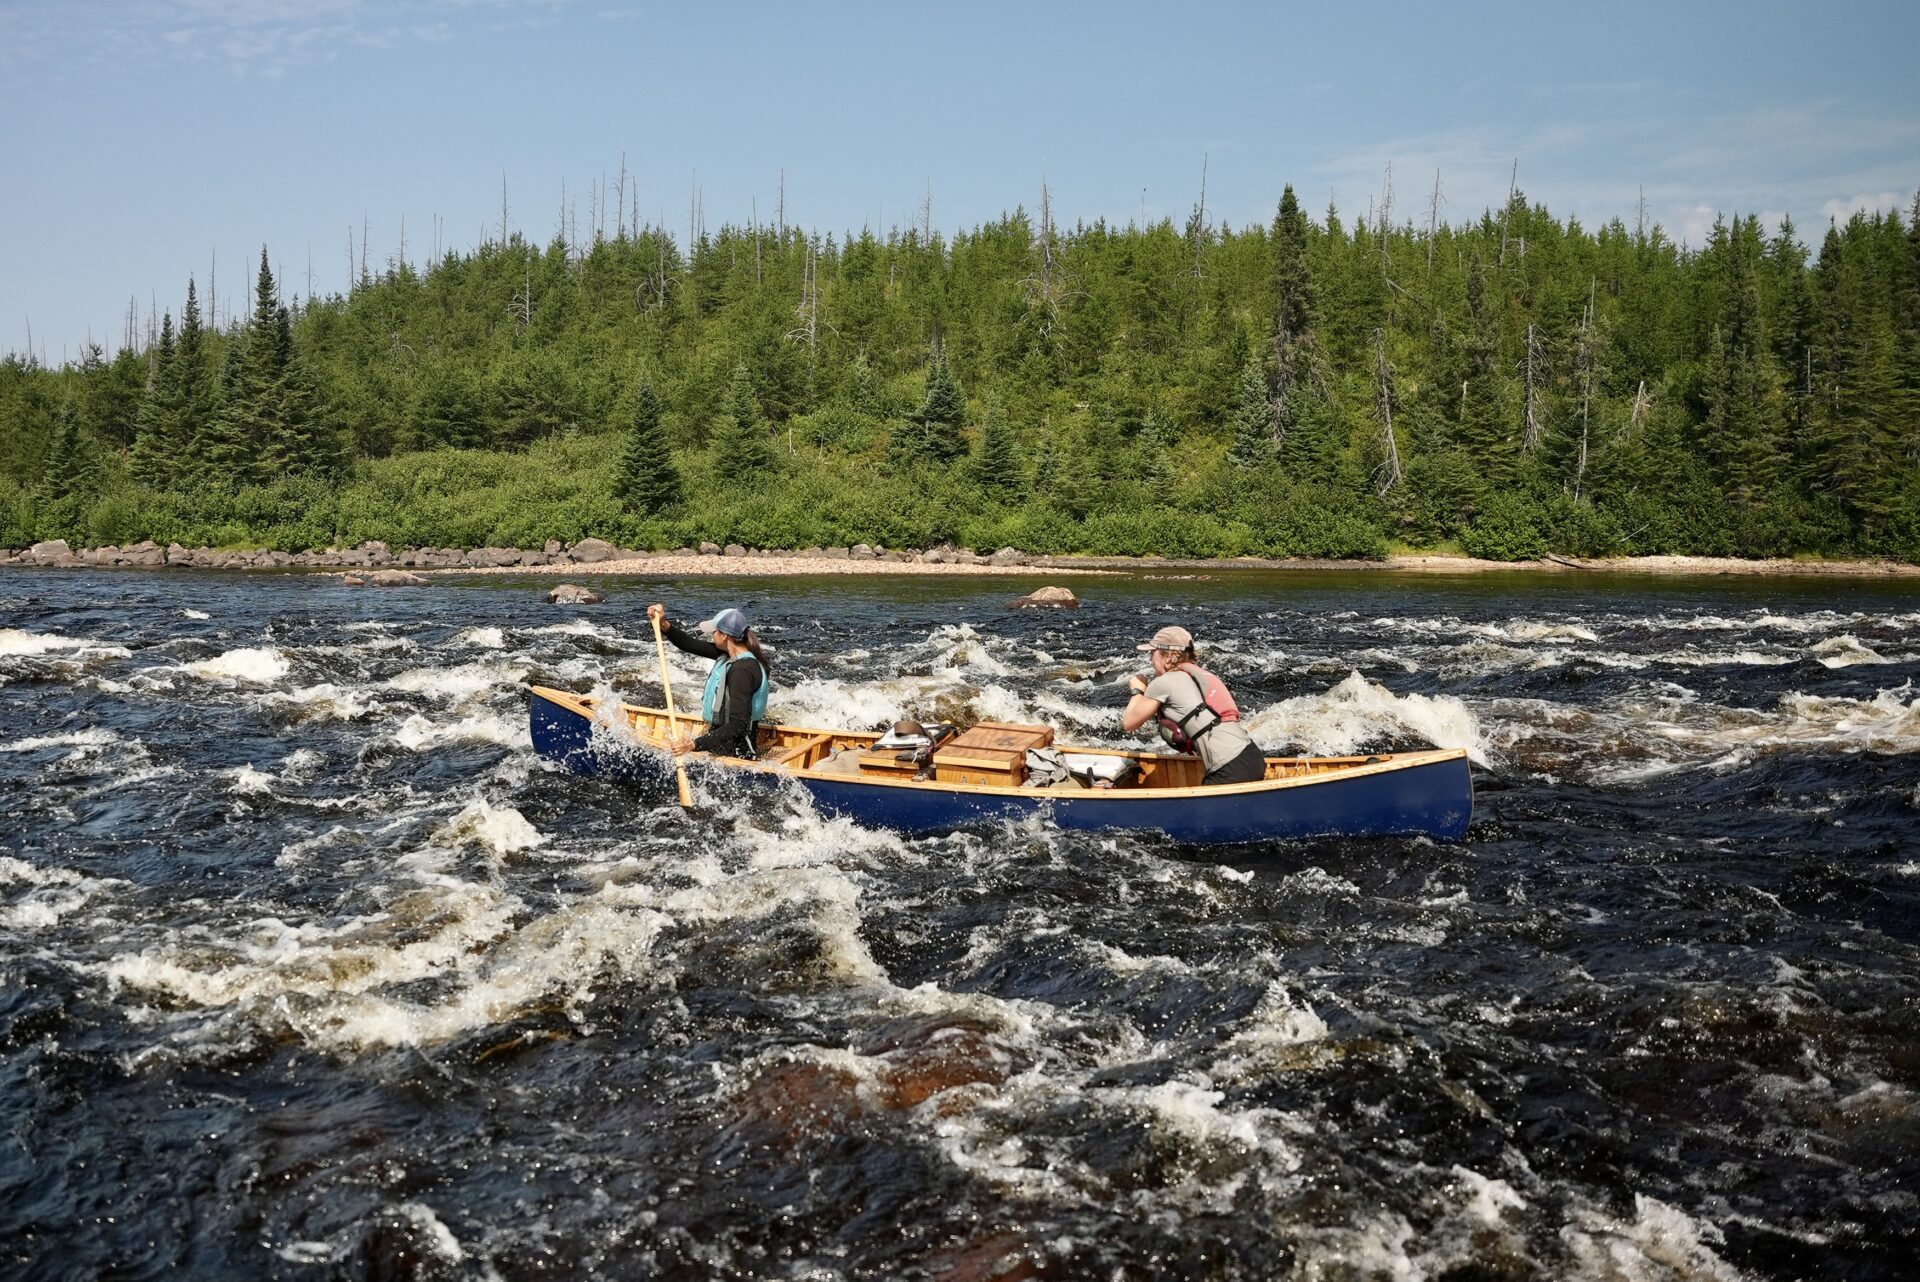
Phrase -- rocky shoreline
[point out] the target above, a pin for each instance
(596, 556)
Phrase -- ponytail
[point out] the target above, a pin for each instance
(752, 642)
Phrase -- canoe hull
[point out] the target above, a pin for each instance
(1431, 795)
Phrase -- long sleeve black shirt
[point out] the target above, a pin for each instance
(731, 734)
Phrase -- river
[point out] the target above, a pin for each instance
(309, 968)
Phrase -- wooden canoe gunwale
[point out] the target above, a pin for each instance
(650, 725)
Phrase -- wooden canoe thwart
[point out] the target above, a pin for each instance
(980, 775)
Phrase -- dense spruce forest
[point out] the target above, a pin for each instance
(1332, 387)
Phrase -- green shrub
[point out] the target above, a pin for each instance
(1506, 528)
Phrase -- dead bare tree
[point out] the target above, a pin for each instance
(1642, 407)
(808, 330)
(1533, 366)
(1048, 286)
(1387, 475)
(503, 206)
(620, 218)
(1386, 216)
(1433, 218)
(1197, 228)
(1513, 185)
(1585, 354)
(521, 307)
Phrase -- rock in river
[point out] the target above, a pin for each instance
(1046, 598)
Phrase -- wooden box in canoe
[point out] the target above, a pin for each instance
(993, 753)
(1400, 793)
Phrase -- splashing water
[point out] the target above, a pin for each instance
(309, 966)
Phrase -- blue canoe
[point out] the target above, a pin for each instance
(1401, 793)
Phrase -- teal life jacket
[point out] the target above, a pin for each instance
(716, 692)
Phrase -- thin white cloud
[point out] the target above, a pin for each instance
(266, 38)
(1842, 208)
(1784, 160)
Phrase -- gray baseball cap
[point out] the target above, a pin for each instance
(731, 622)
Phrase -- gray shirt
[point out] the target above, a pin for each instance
(1179, 694)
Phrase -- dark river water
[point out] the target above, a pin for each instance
(309, 968)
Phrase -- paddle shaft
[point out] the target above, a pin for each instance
(673, 721)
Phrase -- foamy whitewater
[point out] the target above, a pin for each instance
(310, 968)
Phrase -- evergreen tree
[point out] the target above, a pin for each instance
(741, 453)
(1155, 446)
(863, 387)
(997, 463)
(304, 439)
(1252, 422)
(1046, 466)
(195, 391)
(933, 434)
(448, 407)
(157, 443)
(239, 442)
(1293, 313)
(648, 483)
(534, 397)
(1906, 337)
(227, 445)
(1792, 338)
(1483, 431)
(73, 465)
(1741, 434)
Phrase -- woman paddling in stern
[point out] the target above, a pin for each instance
(1195, 712)
(736, 695)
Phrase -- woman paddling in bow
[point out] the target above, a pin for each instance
(736, 695)
(1194, 709)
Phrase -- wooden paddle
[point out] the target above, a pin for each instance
(673, 721)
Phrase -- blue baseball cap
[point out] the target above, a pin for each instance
(731, 622)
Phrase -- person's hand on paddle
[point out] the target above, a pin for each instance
(658, 613)
(1137, 683)
(681, 746)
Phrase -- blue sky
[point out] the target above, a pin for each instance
(145, 140)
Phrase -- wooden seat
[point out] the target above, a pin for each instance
(797, 755)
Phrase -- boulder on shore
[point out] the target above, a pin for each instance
(48, 551)
(1046, 598)
(592, 551)
(574, 594)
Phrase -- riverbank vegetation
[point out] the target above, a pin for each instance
(1328, 387)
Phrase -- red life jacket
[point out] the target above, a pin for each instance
(1216, 705)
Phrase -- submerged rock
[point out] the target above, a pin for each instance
(574, 594)
(1046, 598)
(395, 579)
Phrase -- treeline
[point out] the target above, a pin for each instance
(1510, 386)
